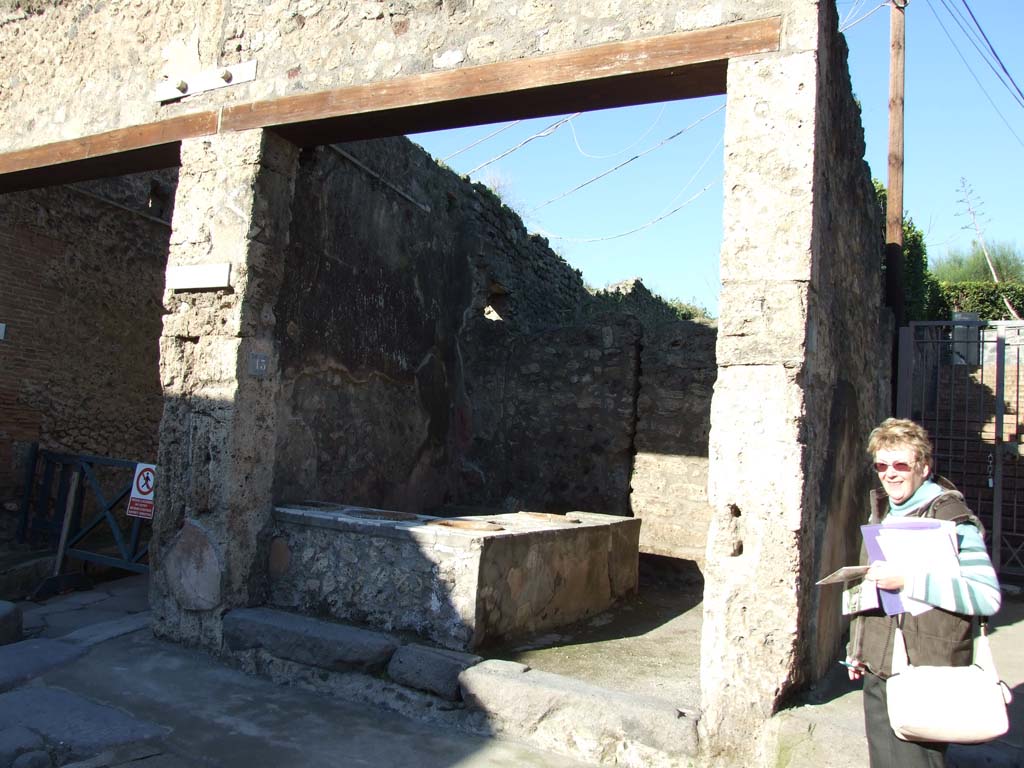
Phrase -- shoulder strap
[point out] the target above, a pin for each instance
(951, 506)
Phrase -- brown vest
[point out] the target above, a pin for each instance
(936, 637)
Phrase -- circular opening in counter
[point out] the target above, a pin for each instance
(468, 525)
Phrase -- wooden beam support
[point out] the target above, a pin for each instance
(125, 150)
(680, 65)
(707, 79)
(570, 72)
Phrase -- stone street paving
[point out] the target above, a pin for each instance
(91, 687)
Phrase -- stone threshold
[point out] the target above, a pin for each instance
(551, 712)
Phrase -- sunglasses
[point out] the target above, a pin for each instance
(899, 466)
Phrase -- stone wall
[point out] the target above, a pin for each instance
(798, 352)
(670, 468)
(632, 296)
(434, 354)
(849, 350)
(207, 553)
(553, 416)
(395, 265)
(80, 295)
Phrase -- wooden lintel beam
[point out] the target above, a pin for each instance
(137, 137)
(150, 158)
(679, 65)
(688, 82)
(580, 67)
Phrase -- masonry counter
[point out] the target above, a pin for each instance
(463, 583)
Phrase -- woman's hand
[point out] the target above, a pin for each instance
(886, 576)
(853, 668)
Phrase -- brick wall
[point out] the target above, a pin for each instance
(24, 298)
(80, 295)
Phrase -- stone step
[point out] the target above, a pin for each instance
(548, 711)
(338, 647)
(565, 715)
(308, 640)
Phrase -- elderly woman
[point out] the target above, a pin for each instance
(902, 456)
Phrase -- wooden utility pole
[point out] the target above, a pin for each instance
(894, 195)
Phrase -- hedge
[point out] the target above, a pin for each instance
(984, 298)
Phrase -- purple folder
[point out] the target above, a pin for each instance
(891, 602)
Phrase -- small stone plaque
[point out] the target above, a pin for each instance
(258, 364)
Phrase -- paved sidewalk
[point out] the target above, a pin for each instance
(92, 688)
(826, 730)
(92, 684)
(106, 601)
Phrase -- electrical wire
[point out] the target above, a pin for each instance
(546, 132)
(643, 226)
(855, 7)
(704, 162)
(481, 141)
(665, 213)
(624, 163)
(971, 71)
(972, 36)
(575, 138)
(851, 24)
(992, 48)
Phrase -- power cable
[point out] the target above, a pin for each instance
(976, 80)
(855, 7)
(546, 132)
(992, 48)
(704, 162)
(650, 223)
(624, 163)
(850, 24)
(575, 138)
(481, 141)
(972, 36)
(665, 212)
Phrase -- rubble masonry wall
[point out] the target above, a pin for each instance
(80, 296)
(429, 349)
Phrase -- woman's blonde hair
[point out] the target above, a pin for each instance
(893, 434)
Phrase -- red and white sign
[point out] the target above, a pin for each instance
(140, 503)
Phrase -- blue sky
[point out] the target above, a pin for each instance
(659, 215)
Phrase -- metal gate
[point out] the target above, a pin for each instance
(75, 505)
(962, 381)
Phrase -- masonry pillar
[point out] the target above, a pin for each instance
(752, 603)
(218, 370)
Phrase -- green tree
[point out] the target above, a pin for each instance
(960, 267)
(921, 293)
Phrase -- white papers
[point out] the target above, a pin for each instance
(918, 547)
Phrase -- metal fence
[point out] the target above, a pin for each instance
(961, 380)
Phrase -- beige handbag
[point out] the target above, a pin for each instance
(959, 705)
